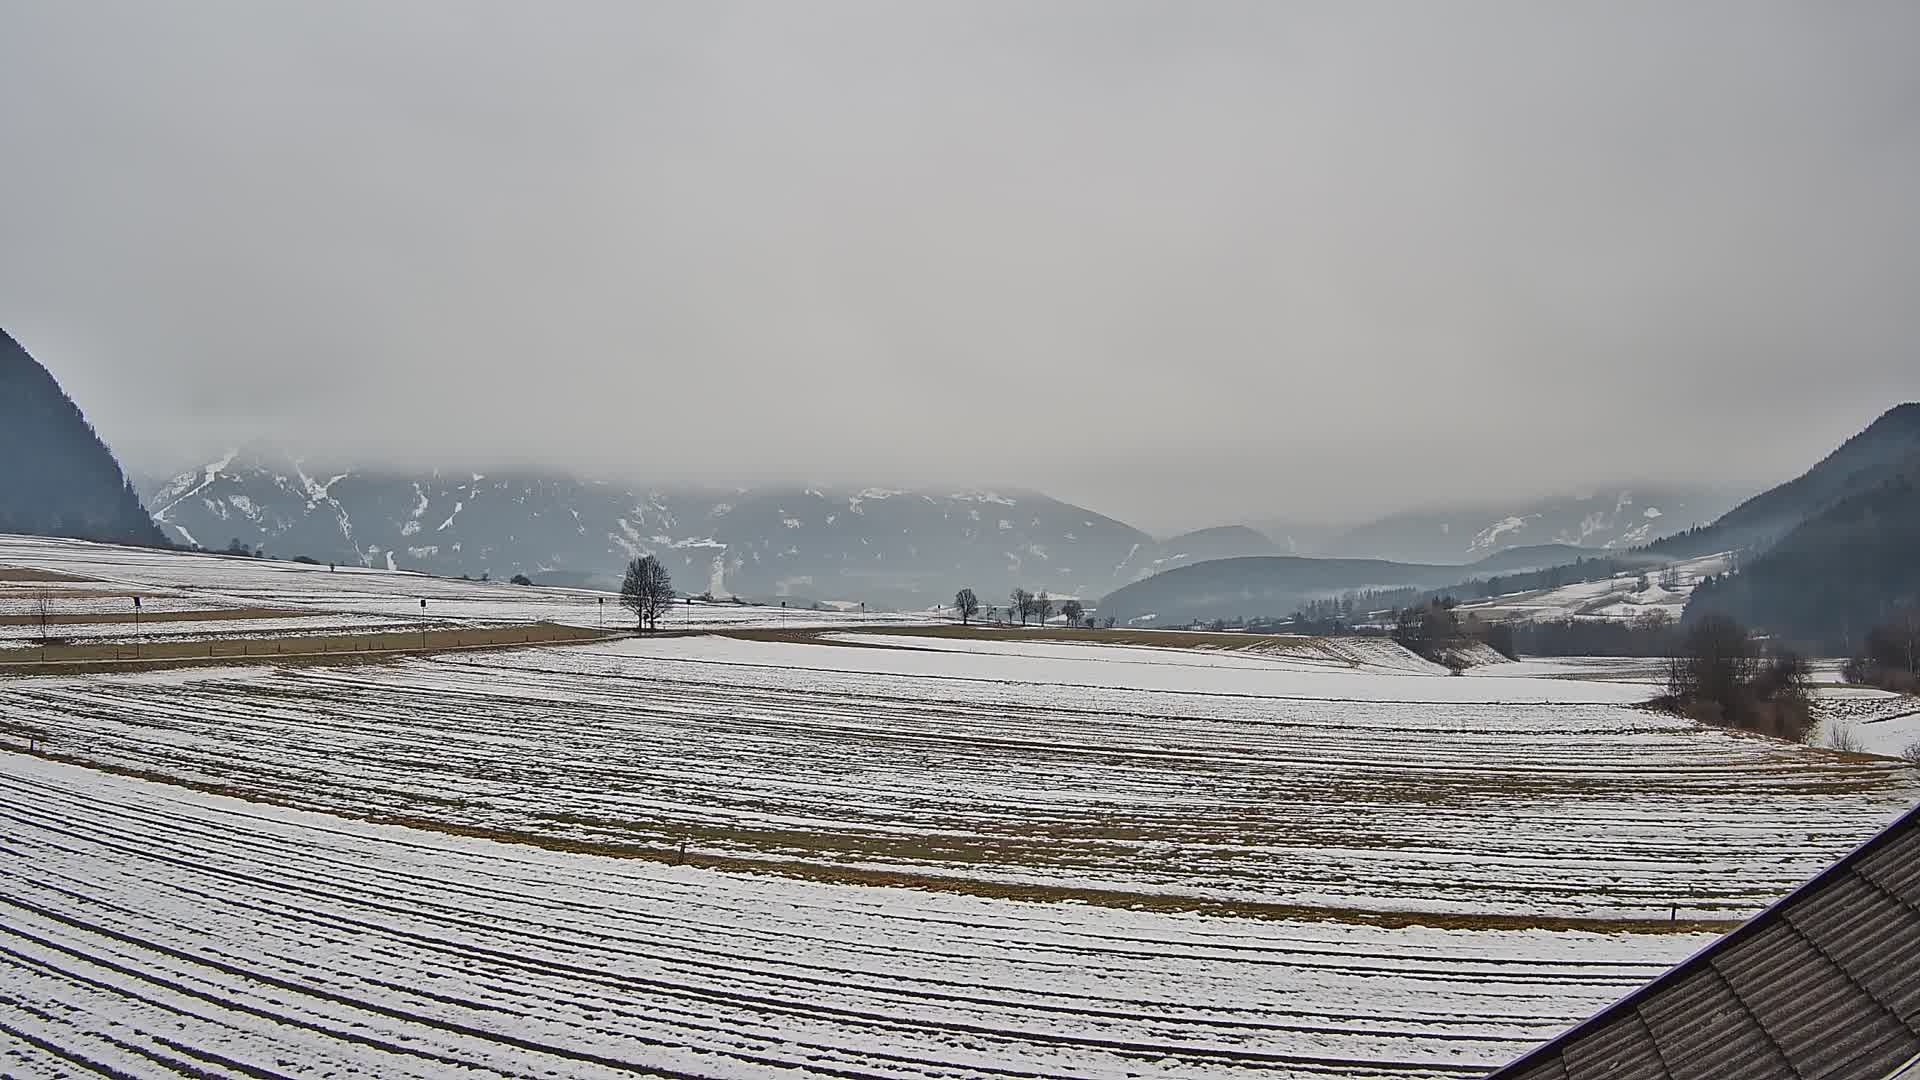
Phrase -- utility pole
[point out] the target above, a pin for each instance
(136, 626)
(423, 624)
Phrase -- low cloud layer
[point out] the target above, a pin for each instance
(1181, 262)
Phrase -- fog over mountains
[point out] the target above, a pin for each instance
(883, 546)
(1831, 549)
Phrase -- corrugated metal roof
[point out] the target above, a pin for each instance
(1824, 985)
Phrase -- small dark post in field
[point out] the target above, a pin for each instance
(681, 858)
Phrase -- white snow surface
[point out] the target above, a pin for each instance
(215, 581)
(145, 925)
(1150, 800)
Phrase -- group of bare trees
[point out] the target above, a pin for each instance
(1890, 656)
(1023, 605)
(1719, 675)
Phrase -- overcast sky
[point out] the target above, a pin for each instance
(1181, 262)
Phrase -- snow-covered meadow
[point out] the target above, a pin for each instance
(1181, 776)
(1619, 597)
(906, 854)
(152, 930)
(174, 581)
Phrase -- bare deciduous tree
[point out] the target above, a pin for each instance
(1073, 609)
(1043, 607)
(647, 591)
(43, 610)
(966, 604)
(1717, 659)
(1020, 604)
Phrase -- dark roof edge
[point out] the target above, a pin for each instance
(1744, 930)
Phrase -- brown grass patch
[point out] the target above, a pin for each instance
(1159, 639)
(80, 658)
(89, 618)
(28, 573)
(848, 875)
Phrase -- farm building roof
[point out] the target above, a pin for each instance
(1826, 983)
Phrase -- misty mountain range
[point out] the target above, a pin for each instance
(1825, 555)
(883, 546)
(1828, 552)
(1611, 520)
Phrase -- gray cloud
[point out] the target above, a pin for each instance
(1180, 262)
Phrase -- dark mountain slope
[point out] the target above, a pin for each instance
(1836, 573)
(1861, 464)
(56, 477)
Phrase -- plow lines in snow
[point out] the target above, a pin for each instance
(150, 930)
(1287, 865)
(1474, 813)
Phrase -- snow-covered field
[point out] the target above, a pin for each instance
(911, 856)
(1611, 598)
(209, 629)
(219, 581)
(153, 930)
(1190, 777)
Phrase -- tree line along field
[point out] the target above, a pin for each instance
(847, 852)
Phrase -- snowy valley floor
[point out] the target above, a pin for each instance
(149, 930)
(904, 856)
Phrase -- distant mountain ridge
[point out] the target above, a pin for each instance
(57, 478)
(1274, 586)
(1611, 520)
(880, 545)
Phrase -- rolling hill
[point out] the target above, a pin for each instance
(1276, 585)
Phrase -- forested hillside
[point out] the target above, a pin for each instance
(1835, 575)
(56, 477)
(1860, 465)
